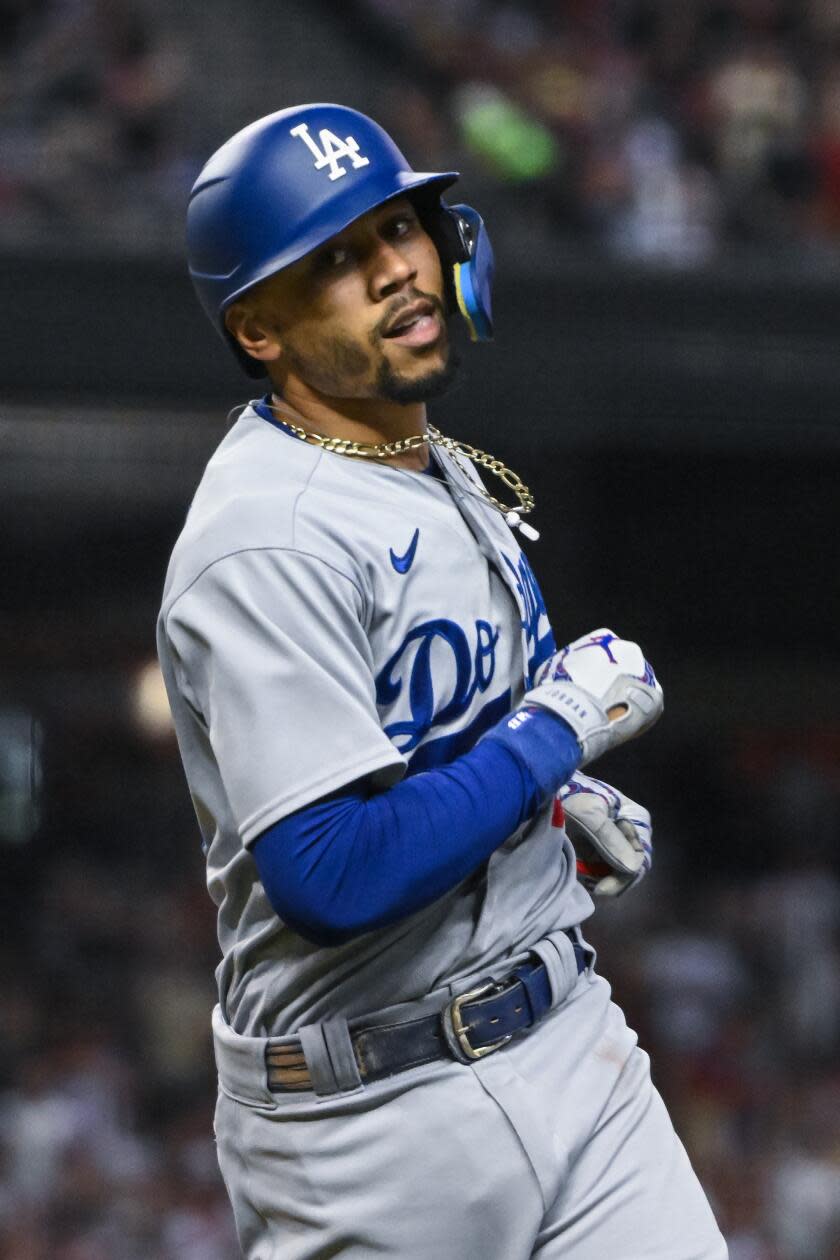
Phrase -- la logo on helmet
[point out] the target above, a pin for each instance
(332, 150)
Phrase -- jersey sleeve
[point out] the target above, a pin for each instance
(270, 652)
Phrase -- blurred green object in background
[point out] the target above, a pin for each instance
(514, 144)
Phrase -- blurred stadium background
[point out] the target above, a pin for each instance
(662, 183)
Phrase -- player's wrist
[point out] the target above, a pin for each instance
(579, 711)
(543, 743)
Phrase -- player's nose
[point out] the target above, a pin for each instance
(390, 270)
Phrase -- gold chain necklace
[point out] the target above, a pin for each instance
(384, 450)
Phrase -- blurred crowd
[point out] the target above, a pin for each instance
(642, 129)
(726, 961)
(107, 1083)
(93, 137)
(651, 130)
(106, 1144)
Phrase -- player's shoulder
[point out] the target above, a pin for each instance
(262, 490)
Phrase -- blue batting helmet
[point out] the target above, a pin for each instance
(284, 185)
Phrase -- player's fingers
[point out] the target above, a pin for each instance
(640, 835)
(604, 842)
(612, 886)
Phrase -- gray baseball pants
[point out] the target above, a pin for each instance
(557, 1145)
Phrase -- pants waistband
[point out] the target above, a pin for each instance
(326, 1057)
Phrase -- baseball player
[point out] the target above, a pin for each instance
(416, 1056)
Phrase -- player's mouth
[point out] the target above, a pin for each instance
(415, 325)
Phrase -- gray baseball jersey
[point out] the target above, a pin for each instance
(326, 620)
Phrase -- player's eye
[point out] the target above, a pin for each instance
(332, 259)
(399, 226)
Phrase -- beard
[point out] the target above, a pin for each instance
(340, 364)
(401, 389)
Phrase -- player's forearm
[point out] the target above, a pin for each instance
(353, 863)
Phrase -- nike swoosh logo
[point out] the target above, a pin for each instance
(403, 563)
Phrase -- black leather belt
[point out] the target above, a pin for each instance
(471, 1026)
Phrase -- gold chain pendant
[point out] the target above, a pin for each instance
(506, 475)
(384, 450)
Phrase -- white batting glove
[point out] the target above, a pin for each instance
(591, 676)
(611, 836)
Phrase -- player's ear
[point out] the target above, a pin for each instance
(255, 335)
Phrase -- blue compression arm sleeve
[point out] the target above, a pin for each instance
(354, 862)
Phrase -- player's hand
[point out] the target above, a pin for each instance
(603, 687)
(611, 836)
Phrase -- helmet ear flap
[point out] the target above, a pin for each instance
(464, 245)
(473, 275)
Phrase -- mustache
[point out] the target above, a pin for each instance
(400, 304)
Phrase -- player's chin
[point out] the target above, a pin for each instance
(420, 383)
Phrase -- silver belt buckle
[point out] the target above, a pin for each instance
(454, 1021)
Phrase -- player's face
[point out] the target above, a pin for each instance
(364, 315)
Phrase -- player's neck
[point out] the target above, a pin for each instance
(368, 420)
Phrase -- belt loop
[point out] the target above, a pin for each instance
(589, 954)
(342, 1055)
(558, 954)
(329, 1056)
